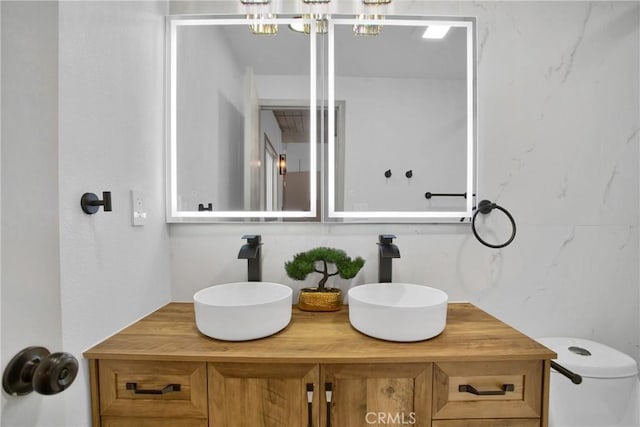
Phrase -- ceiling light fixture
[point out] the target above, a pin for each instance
(262, 28)
(368, 29)
(376, 1)
(305, 27)
(436, 31)
(299, 26)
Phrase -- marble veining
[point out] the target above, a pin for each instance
(567, 64)
(564, 185)
(563, 246)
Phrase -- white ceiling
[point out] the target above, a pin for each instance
(397, 51)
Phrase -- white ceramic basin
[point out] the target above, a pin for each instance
(242, 311)
(398, 311)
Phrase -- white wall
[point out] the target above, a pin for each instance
(1, 357)
(111, 138)
(210, 120)
(558, 146)
(400, 125)
(31, 309)
(82, 95)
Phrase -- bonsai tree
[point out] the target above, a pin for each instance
(305, 263)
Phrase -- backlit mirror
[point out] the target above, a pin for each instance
(398, 146)
(241, 141)
(404, 92)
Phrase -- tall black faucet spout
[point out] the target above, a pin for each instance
(386, 252)
(248, 252)
(252, 252)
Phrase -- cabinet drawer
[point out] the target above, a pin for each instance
(487, 423)
(153, 422)
(509, 389)
(152, 389)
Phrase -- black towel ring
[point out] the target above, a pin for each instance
(484, 207)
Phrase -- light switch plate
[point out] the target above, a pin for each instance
(138, 213)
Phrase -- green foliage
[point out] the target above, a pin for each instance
(304, 263)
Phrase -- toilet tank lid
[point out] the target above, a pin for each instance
(598, 361)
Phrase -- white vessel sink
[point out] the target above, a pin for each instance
(242, 311)
(398, 311)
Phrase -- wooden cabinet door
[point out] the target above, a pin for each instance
(262, 395)
(377, 394)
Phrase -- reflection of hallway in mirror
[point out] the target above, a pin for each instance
(294, 124)
(296, 193)
(285, 124)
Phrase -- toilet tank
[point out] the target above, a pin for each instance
(608, 395)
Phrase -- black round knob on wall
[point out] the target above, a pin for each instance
(35, 369)
(387, 173)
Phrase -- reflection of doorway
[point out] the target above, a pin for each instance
(270, 176)
(294, 125)
(285, 124)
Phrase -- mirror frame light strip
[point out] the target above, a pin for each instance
(465, 22)
(173, 215)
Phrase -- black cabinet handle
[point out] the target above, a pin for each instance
(168, 389)
(467, 388)
(310, 404)
(328, 394)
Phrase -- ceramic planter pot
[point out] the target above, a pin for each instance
(310, 299)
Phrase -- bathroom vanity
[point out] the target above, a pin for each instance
(161, 371)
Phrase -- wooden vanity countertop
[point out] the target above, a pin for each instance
(170, 334)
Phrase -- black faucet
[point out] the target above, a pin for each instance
(386, 252)
(253, 254)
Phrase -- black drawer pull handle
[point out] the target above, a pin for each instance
(466, 388)
(167, 389)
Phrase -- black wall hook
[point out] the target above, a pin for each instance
(387, 173)
(90, 202)
(408, 173)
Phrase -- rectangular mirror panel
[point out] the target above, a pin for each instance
(242, 143)
(406, 120)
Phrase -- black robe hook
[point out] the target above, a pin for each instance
(90, 202)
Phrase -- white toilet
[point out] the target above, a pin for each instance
(609, 393)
